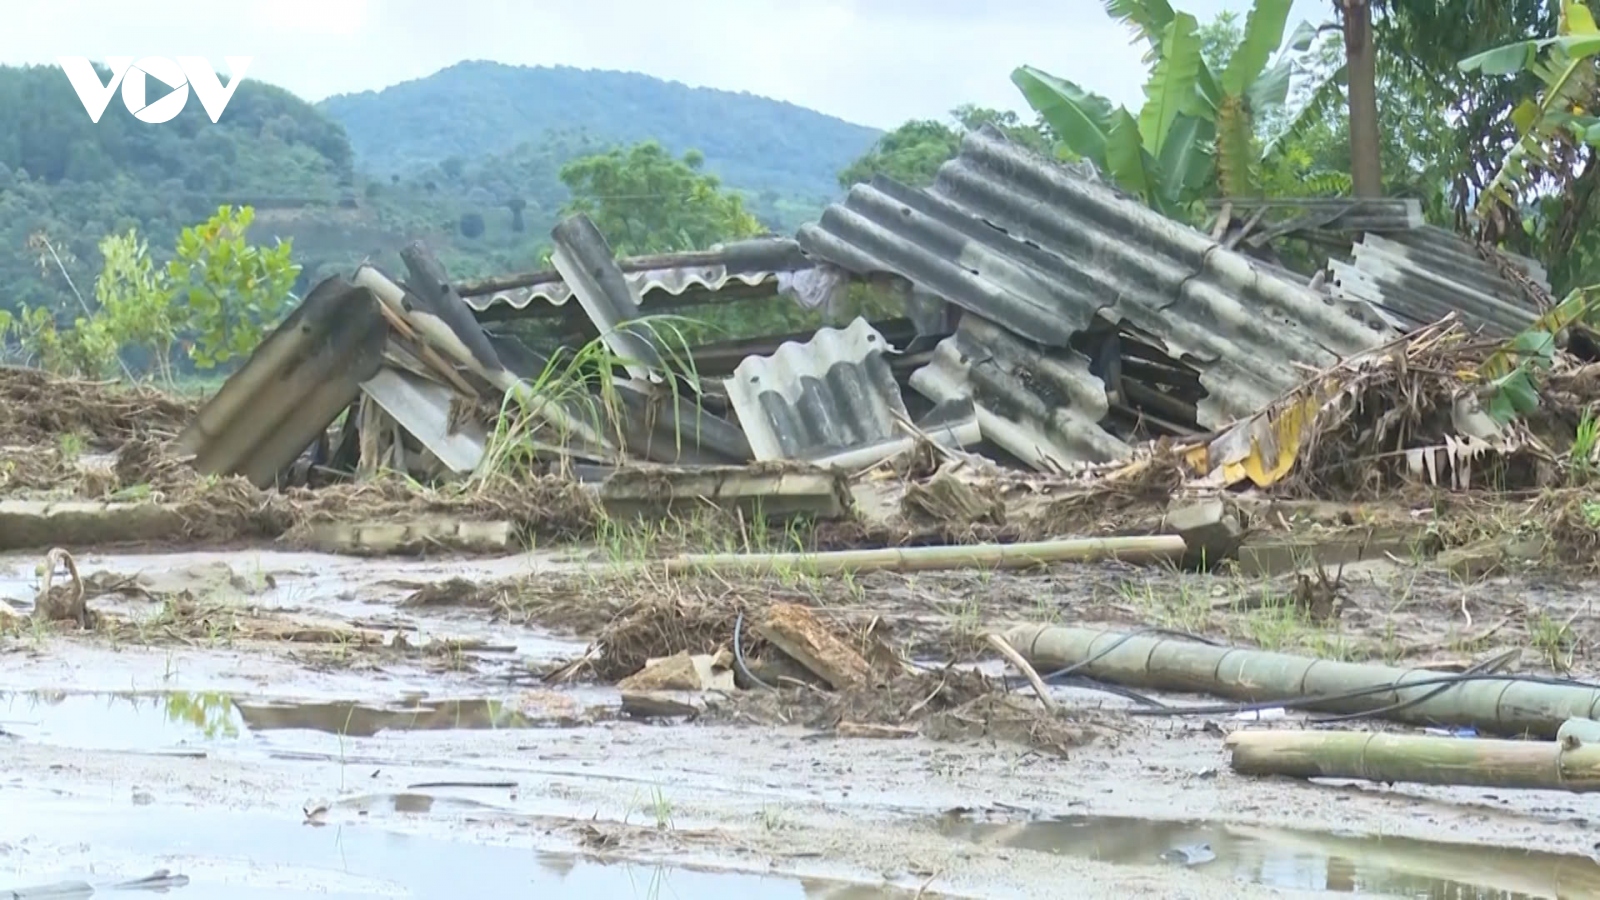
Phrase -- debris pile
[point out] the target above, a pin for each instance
(1048, 321)
(1060, 346)
(792, 665)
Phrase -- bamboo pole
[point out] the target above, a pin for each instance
(1418, 759)
(1497, 705)
(1153, 548)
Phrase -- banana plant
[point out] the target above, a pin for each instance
(1564, 114)
(1195, 133)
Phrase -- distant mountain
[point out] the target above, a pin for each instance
(358, 176)
(474, 109)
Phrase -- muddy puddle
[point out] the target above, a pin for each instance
(1299, 860)
(63, 845)
(151, 722)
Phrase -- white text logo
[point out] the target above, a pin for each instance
(180, 76)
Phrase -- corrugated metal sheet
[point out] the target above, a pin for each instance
(1041, 251)
(298, 380)
(1420, 276)
(761, 265)
(1043, 407)
(833, 401)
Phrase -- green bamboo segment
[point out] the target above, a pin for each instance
(1494, 705)
(1139, 549)
(1418, 759)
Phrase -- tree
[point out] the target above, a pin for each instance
(913, 153)
(1420, 44)
(517, 205)
(471, 225)
(1551, 168)
(1366, 170)
(229, 289)
(645, 201)
(1310, 152)
(1195, 134)
(135, 299)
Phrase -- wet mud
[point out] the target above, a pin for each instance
(259, 762)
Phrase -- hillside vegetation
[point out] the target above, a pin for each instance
(474, 109)
(469, 159)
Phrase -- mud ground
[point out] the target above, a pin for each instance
(248, 721)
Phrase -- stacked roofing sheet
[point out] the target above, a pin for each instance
(759, 265)
(1044, 253)
(1419, 276)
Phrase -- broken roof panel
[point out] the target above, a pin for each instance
(1421, 276)
(585, 262)
(1282, 216)
(758, 266)
(298, 380)
(1043, 407)
(1040, 250)
(423, 407)
(832, 400)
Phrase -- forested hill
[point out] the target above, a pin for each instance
(468, 159)
(473, 109)
(71, 181)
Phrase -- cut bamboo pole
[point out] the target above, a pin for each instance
(1418, 759)
(1153, 548)
(1496, 705)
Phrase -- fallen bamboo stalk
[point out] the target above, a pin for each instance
(1506, 706)
(1153, 548)
(1418, 759)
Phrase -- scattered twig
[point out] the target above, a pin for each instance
(1010, 653)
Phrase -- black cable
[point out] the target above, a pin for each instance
(738, 655)
(1101, 654)
(1014, 682)
(1305, 701)
(1492, 664)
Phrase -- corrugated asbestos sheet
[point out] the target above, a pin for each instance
(1323, 215)
(761, 265)
(833, 400)
(584, 260)
(1042, 251)
(422, 406)
(1420, 276)
(298, 380)
(1043, 407)
(656, 425)
(830, 395)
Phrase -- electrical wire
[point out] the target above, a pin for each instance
(1103, 652)
(1493, 664)
(1304, 701)
(738, 655)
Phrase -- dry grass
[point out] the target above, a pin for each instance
(36, 408)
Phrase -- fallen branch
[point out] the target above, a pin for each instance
(1010, 653)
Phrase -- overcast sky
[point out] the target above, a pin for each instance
(876, 62)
